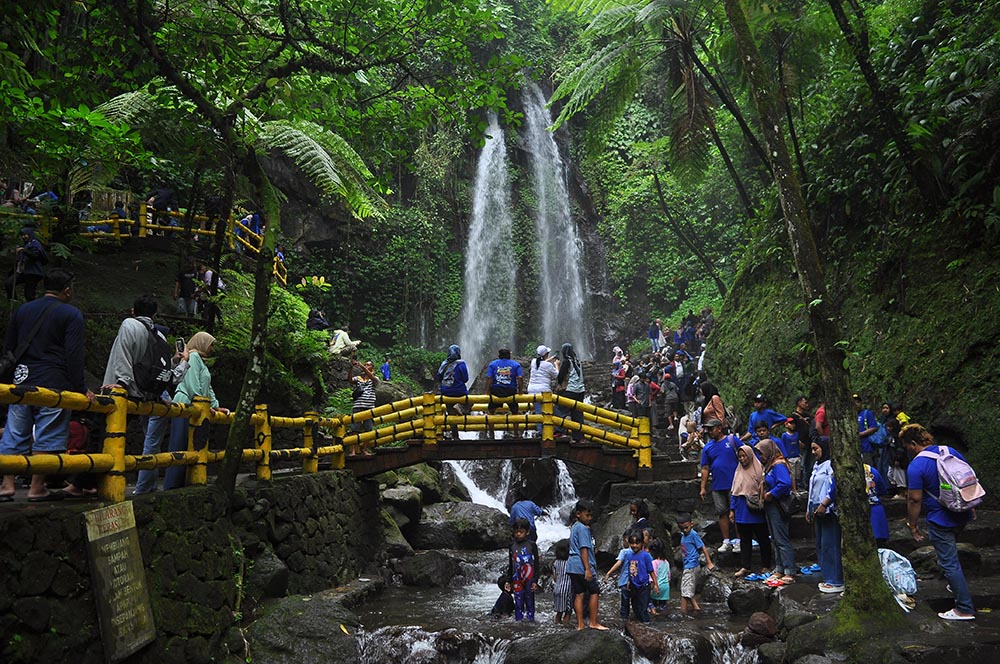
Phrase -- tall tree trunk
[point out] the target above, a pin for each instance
(241, 431)
(866, 594)
(885, 98)
(686, 239)
(783, 92)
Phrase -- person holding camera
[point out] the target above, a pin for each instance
(363, 396)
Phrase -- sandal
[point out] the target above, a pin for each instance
(740, 573)
(774, 583)
(787, 579)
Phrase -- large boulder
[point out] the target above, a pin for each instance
(403, 502)
(304, 629)
(571, 647)
(267, 577)
(746, 599)
(535, 480)
(459, 526)
(789, 613)
(429, 569)
(396, 545)
(424, 477)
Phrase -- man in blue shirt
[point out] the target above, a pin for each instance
(503, 379)
(762, 413)
(943, 525)
(719, 458)
(527, 510)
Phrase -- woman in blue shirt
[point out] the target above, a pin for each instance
(748, 511)
(777, 485)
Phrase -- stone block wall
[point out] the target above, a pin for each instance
(322, 527)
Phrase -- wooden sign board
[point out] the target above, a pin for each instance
(119, 581)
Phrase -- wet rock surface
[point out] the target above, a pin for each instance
(459, 526)
(571, 647)
(300, 629)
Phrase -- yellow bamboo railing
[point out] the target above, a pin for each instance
(420, 418)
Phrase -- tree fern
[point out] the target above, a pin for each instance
(613, 70)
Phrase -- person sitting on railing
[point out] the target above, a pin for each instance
(184, 290)
(544, 370)
(53, 358)
(196, 382)
(363, 395)
(452, 376)
(128, 355)
(503, 378)
(30, 265)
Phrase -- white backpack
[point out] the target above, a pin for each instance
(959, 489)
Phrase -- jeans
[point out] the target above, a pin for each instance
(882, 457)
(156, 427)
(946, 550)
(623, 609)
(640, 601)
(828, 549)
(777, 524)
(538, 411)
(51, 430)
(176, 476)
(575, 415)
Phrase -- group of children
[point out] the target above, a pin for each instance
(643, 582)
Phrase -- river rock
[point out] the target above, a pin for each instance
(789, 613)
(571, 647)
(751, 639)
(429, 569)
(746, 600)
(536, 481)
(396, 545)
(268, 576)
(459, 526)
(714, 588)
(405, 501)
(763, 624)
(771, 653)
(425, 478)
(304, 629)
(648, 640)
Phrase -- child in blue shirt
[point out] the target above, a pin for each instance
(640, 576)
(581, 566)
(691, 546)
(622, 576)
(790, 450)
(522, 568)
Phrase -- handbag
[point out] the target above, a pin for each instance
(792, 503)
(9, 359)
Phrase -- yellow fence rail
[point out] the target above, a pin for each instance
(422, 418)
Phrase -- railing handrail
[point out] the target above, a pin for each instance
(420, 418)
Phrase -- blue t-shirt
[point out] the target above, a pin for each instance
(778, 481)
(453, 377)
(922, 475)
(742, 512)
(866, 420)
(504, 373)
(769, 416)
(623, 573)
(790, 445)
(720, 457)
(691, 546)
(386, 371)
(640, 566)
(580, 538)
(525, 509)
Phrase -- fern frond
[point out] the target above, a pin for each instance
(613, 21)
(614, 69)
(127, 107)
(592, 7)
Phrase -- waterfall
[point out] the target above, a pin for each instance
(490, 295)
(563, 290)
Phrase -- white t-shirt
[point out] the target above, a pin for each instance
(541, 378)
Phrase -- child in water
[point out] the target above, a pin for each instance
(622, 576)
(691, 546)
(661, 567)
(562, 594)
(521, 568)
(582, 567)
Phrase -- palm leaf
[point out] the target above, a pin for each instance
(613, 71)
(592, 7)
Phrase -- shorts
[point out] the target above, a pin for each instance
(581, 586)
(503, 392)
(689, 582)
(795, 467)
(721, 501)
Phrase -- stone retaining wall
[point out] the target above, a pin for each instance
(316, 529)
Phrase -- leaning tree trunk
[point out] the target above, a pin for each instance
(241, 429)
(866, 592)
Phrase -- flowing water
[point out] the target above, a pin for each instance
(563, 290)
(489, 299)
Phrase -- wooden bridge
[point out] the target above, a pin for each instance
(404, 433)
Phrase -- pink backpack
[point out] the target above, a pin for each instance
(959, 489)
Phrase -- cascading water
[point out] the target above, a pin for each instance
(488, 311)
(564, 294)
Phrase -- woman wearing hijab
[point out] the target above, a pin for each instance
(196, 382)
(748, 512)
(452, 376)
(822, 510)
(777, 485)
(542, 374)
(571, 380)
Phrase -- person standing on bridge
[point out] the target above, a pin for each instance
(452, 377)
(570, 384)
(503, 376)
(543, 375)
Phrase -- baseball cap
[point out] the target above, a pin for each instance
(542, 350)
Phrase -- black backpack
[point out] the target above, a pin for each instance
(152, 370)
